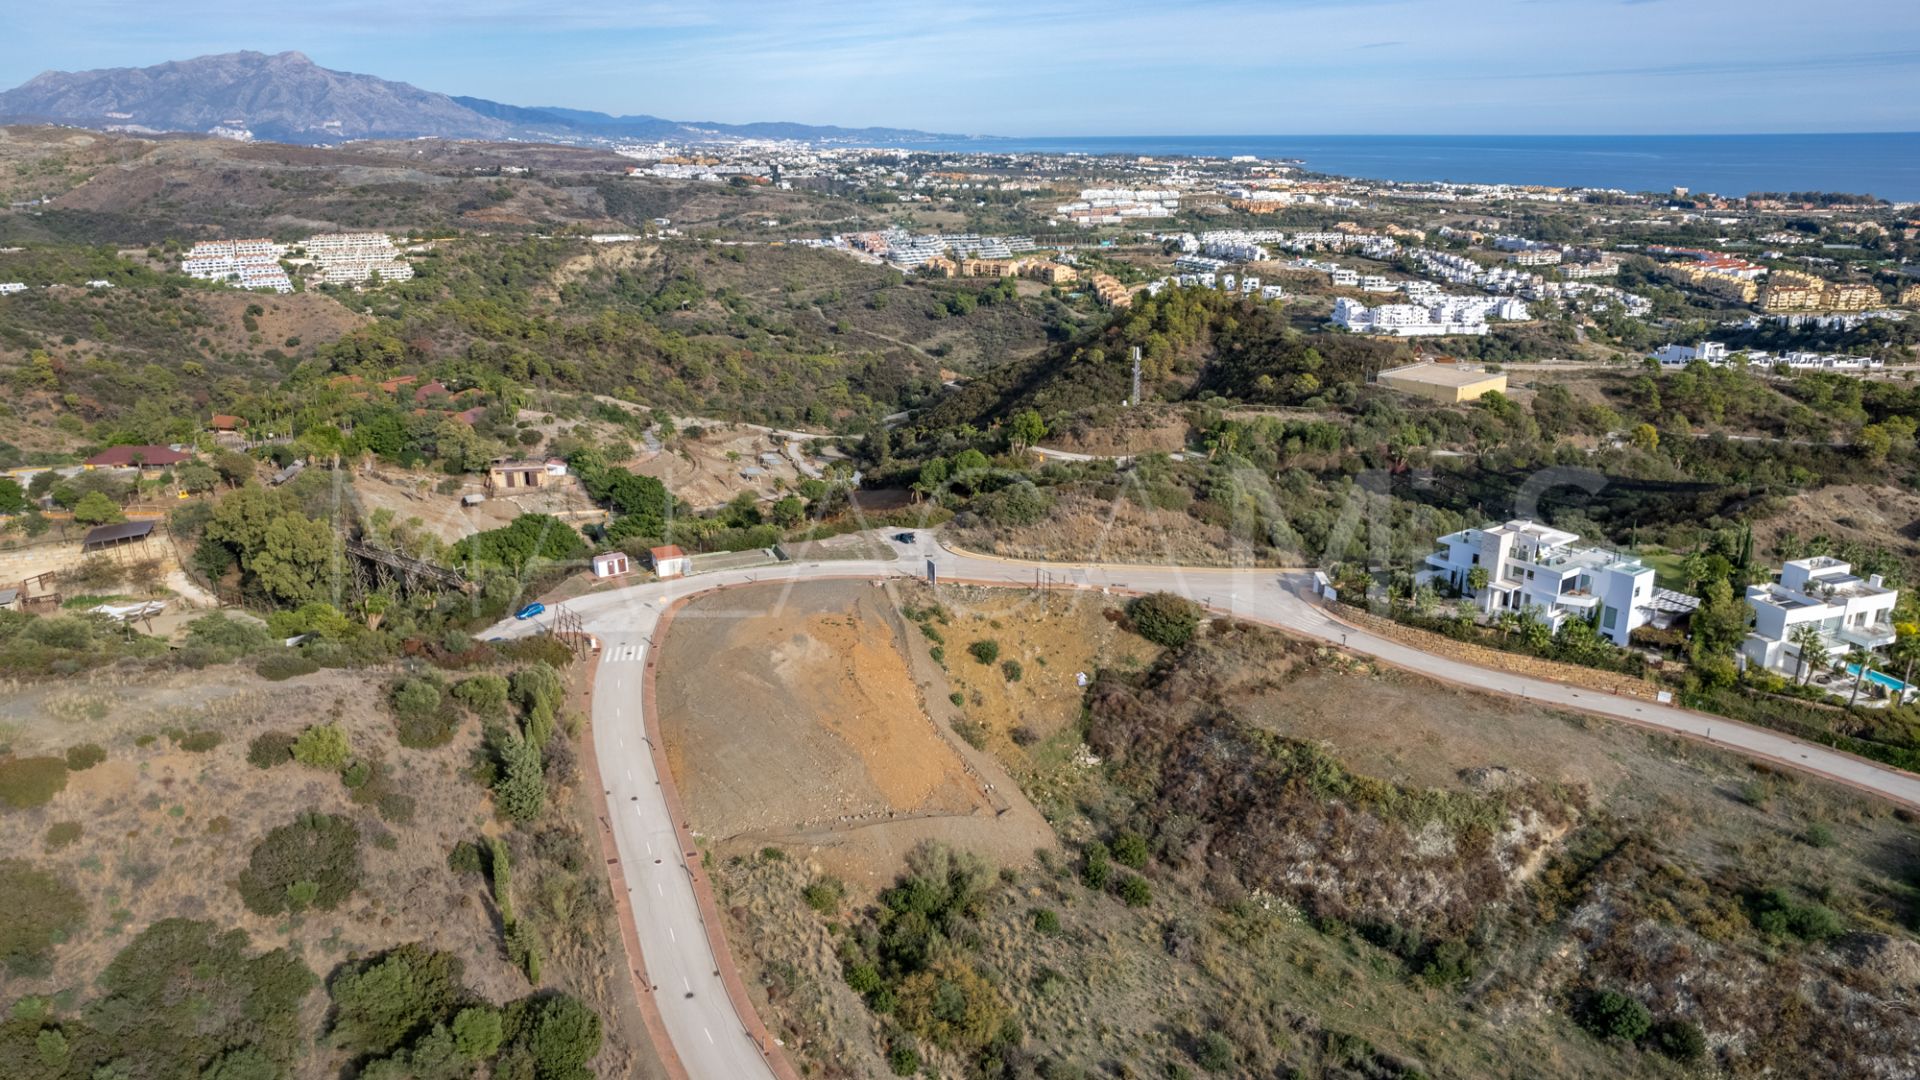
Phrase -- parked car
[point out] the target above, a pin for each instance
(530, 611)
(903, 538)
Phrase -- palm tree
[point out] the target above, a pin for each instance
(1813, 651)
(1906, 648)
(1860, 660)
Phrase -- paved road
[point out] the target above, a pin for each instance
(706, 1030)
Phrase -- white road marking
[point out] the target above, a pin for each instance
(709, 1034)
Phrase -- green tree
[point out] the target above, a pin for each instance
(322, 746)
(94, 508)
(1026, 429)
(1165, 618)
(1645, 437)
(478, 1032)
(1812, 647)
(521, 792)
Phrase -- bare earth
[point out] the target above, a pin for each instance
(793, 716)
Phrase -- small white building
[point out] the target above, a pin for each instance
(1712, 352)
(611, 564)
(670, 562)
(1544, 571)
(1825, 593)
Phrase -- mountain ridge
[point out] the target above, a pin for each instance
(287, 97)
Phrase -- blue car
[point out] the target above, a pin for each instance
(530, 611)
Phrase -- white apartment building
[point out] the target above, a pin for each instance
(1532, 568)
(352, 258)
(8, 288)
(1670, 355)
(1345, 277)
(1442, 315)
(1825, 593)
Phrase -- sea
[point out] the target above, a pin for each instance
(1886, 165)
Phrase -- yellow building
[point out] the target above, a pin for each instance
(993, 268)
(1110, 291)
(1444, 381)
(1052, 273)
(1791, 290)
(1910, 296)
(1854, 297)
(1723, 285)
(939, 266)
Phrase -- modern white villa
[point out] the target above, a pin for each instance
(1533, 568)
(1822, 592)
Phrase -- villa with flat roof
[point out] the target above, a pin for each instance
(1535, 569)
(1825, 593)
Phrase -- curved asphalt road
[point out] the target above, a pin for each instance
(706, 1030)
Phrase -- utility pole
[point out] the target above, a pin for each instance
(1135, 399)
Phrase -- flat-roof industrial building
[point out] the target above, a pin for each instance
(1443, 380)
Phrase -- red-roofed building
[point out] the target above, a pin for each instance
(225, 422)
(669, 561)
(148, 458)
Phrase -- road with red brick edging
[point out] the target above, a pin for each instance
(701, 1002)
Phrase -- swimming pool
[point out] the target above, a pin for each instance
(1879, 678)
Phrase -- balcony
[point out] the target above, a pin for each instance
(1868, 636)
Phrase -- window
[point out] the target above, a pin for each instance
(1607, 617)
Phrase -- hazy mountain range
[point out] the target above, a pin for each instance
(288, 98)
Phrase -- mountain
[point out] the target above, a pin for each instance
(287, 97)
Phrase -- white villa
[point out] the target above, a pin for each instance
(1545, 571)
(1822, 592)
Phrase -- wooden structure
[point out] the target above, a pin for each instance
(409, 573)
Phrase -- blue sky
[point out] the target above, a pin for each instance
(1045, 67)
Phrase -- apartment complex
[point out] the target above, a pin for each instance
(1531, 568)
(1791, 290)
(247, 264)
(1444, 315)
(354, 258)
(1824, 593)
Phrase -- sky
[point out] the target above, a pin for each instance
(1051, 67)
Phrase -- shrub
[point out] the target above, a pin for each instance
(198, 742)
(903, 1060)
(41, 911)
(318, 850)
(380, 1002)
(1610, 1014)
(62, 834)
(555, 1032)
(465, 858)
(1779, 915)
(270, 748)
(1165, 619)
(1096, 868)
(424, 717)
(484, 694)
(1011, 670)
(31, 781)
(1214, 1052)
(356, 775)
(322, 746)
(1447, 963)
(957, 698)
(191, 994)
(1679, 1040)
(85, 756)
(824, 895)
(985, 651)
(285, 665)
(1135, 890)
(1819, 834)
(477, 1032)
(520, 792)
(1130, 849)
(1046, 920)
